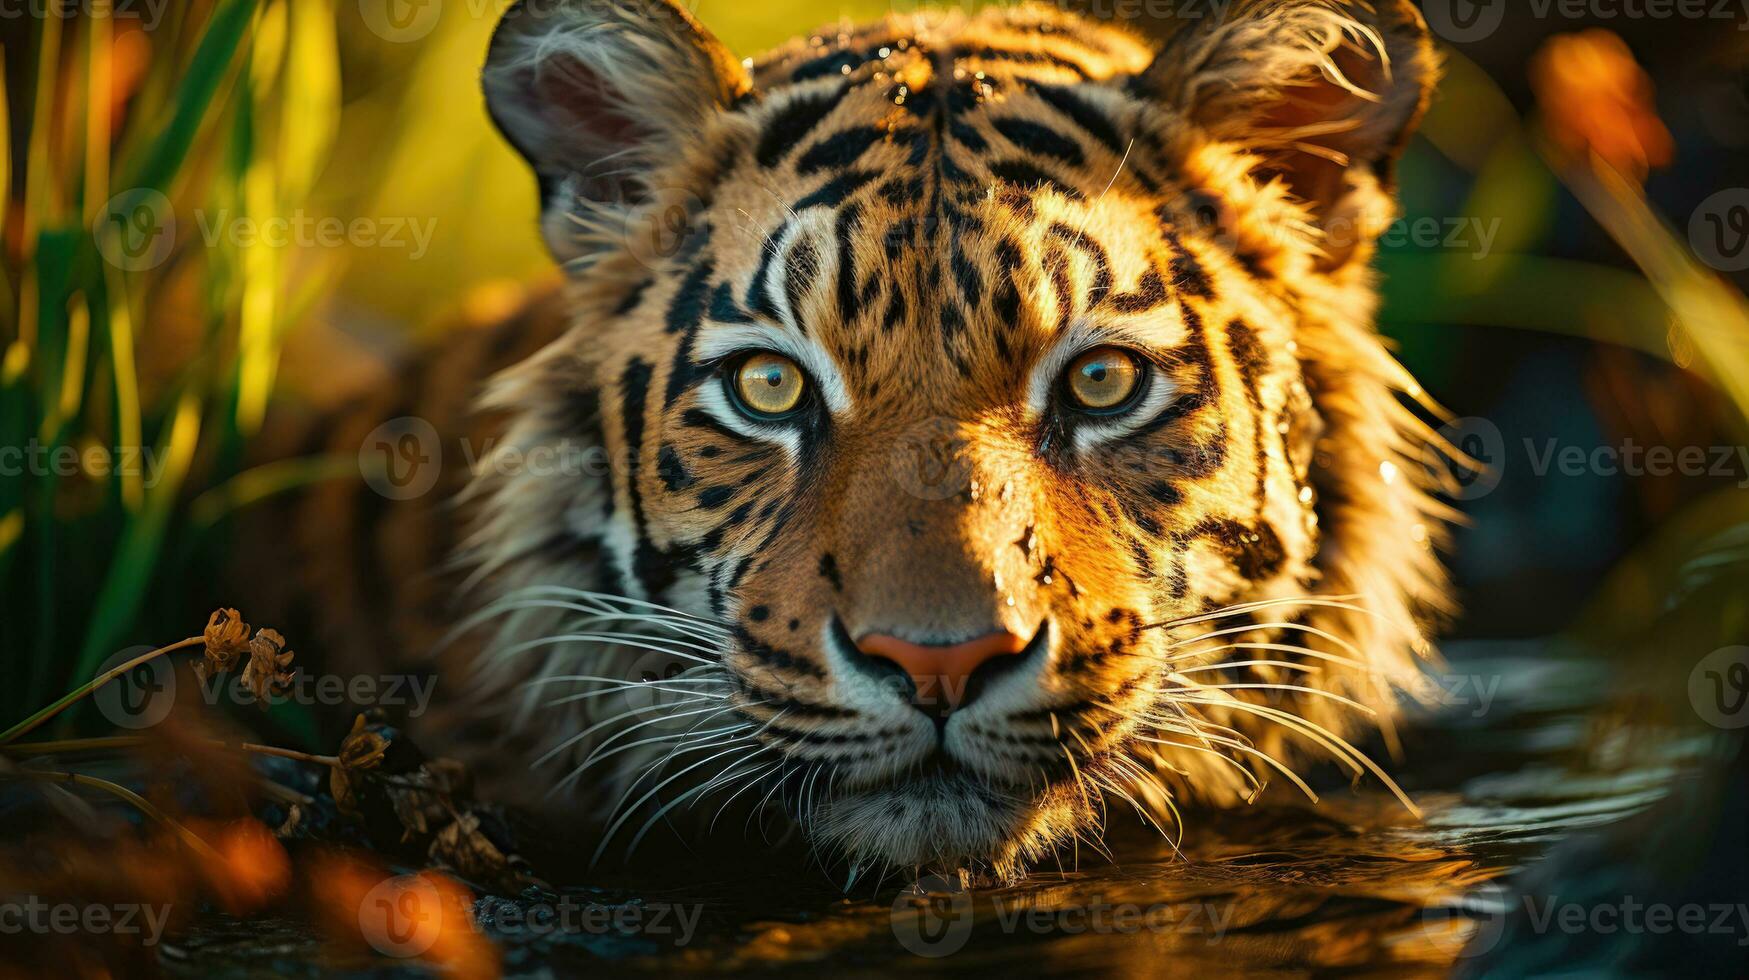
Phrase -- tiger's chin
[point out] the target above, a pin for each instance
(950, 824)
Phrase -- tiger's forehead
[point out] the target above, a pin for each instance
(963, 186)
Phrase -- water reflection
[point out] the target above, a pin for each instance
(1354, 884)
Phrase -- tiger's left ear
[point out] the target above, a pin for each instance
(1327, 91)
(599, 95)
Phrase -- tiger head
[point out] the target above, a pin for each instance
(995, 419)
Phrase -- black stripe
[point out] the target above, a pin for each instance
(968, 137)
(1028, 135)
(849, 220)
(649, 565)
(971, 282)
(831, 64)
(1254, 552)
(799, 267)
(1093, 121)
(1251, 359)
(724, 309)
(1009, 263)
(989, 53)
(834, 191)
(758, 299)
(690, 299)
(673, 471)
(779, 659)
(1057, 263)
(1150, 293)
(895, 314)
(1100, 288)
(838, 150)
(698, 418)
(792, 123)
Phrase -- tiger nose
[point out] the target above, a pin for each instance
(942, 676)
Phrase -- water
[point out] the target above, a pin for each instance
(1531, 748)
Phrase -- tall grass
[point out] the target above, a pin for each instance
(129, 138)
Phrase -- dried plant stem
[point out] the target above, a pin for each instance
(69, 745)
(139, 802)
(34, 721)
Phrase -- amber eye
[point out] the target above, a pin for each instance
(1103, 380)
(768, 385)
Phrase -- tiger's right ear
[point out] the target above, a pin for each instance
(596, 94)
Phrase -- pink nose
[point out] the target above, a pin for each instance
(941, 672)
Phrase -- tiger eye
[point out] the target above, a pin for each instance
(769, 384)
(1103, 379)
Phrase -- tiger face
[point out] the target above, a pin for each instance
(999, 428)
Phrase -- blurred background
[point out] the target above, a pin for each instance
(221, 212)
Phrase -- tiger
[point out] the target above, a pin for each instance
(987, 418)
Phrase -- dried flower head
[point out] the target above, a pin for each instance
(479, 851)
(361, 750)
(227, 639)
(1597, 100)
(265, 674)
